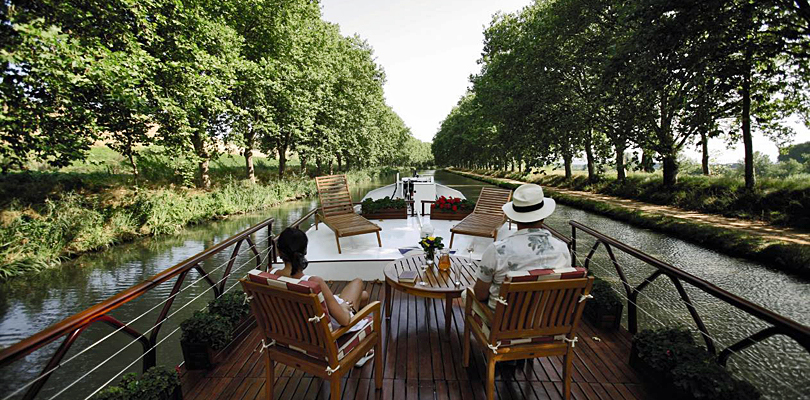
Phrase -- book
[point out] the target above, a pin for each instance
(408, 276)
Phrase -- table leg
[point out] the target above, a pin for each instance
(388, 300)
(448, 314)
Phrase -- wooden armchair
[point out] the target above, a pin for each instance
(534, 317)
(487, 217)
(296, 330)
(337, 210)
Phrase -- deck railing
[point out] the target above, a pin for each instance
(72, 327)
(779, 325)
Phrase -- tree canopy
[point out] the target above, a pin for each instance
(196, 77)
(567, 77)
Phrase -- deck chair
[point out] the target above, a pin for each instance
(537, 315)
(487, 217)
(296, 331)
(337, 210)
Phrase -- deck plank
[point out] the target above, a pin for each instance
(422, 361)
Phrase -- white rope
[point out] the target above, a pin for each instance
(144, 334)
(266, 346)
(247, 300)
(499, 299)
(61, 364)
(584, 297)
(763, 368)
(330, 371)
(317, 318)
(572, 341)
(495, 347)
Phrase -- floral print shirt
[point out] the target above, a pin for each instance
(526, 249)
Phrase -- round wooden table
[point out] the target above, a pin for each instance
(430, 283)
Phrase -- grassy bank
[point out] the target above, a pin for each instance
(778, 201)
(788, 257)
(49, 216)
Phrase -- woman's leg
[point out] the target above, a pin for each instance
(353, 293)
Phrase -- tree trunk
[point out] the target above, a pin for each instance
(704, 139)
(750, 179)
(567, 161)
(250, 171)
(318, 165)
(282, 161)
(303, 157)
(331, 170)
(202, 152)
(133, 164)
(589, 157)
(647, 162)
(620, 175)
(670, 164)
(339, 162)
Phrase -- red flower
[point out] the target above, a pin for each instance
(455, 208)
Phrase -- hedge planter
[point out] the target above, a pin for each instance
(601, 317)
(157, 383)
(387, 213)
(459, 215)
(198, 356)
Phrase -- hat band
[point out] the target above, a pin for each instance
(525, 209)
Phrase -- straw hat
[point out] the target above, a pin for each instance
(528, 204)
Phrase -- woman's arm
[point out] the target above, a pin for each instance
(340, 313)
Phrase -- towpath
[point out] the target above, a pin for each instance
(767, 231)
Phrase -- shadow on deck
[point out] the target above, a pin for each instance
(421, 362)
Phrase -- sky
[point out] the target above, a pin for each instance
(429, 49)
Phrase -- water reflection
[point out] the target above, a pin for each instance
(30, 305)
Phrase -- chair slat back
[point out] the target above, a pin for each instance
(491, 200)
(544, 308)
(284, 316)
(333, 193)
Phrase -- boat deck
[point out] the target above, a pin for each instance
(422, 362)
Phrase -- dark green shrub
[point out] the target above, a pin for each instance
(663, 349)
(369, 206)
(231, 306)
(155, 384)
(206, 328)
(604, 298)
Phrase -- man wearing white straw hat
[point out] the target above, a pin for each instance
(531, 247)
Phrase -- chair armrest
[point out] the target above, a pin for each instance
(373, 307)
(485, 308)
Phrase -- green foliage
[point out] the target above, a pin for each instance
(798, 152)
(207, 328)
(692, 371)
(604, 298)
(369, 206)
(232, 306)
(789, 257)
(155, 383)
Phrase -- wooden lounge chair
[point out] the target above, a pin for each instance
(533, 318)
(337, 210)
(295, 331)
(487, 217)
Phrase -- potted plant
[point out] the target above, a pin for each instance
(232, 306)
(605, 309)
(385, 208)
(157, 383)
(203, 334)
(450, 208)
(671, 360)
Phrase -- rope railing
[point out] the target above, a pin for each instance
(71, 328)
(779, 324)
(762, 368)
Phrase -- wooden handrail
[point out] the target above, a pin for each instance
(781, 325)
(79, 321)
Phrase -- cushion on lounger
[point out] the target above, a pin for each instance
(546, 274)
(295, 285)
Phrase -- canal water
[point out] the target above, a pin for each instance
(777, 366)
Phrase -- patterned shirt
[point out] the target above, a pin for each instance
(526, 249)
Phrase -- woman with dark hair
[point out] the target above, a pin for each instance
(292, 248)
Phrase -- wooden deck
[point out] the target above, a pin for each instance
(422, 362)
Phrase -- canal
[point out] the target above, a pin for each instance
(778, 366)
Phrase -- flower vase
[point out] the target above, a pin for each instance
(429, 259)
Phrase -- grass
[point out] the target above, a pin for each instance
(788, 257)
(49, 216)
(784, 202)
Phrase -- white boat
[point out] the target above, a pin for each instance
(361, 257)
